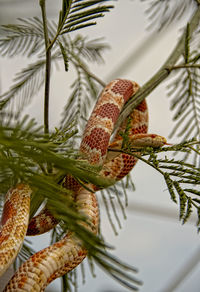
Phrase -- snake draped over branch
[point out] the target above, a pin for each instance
(66, 254)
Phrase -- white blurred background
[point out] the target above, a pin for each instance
(152, 238)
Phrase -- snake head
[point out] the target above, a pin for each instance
(148, 140)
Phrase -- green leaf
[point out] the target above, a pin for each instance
(187, 44)
(188, 211)
(170, 186)
(26, 84)
(25, 38)
(80, 15)
(77, 27)
(65, 57)
(198, 221)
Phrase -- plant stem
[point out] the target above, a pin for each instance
(162, 73)
(47, 69)
(183, 66)
(93, 76)
(50, 44)
(46, 94)
(85, 69)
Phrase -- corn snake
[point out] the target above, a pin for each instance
(56, 260)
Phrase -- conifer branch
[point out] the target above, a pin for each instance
(163, 73)
(38, 150)
(75, 16)
(184, 91)
(176, 174)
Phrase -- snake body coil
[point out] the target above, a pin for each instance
(63, 256)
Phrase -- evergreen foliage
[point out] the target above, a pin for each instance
(181, 178)
(42, 159)
(163, 13)
(184, 91)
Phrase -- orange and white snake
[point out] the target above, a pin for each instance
(63, 256)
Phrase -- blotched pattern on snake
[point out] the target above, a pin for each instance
(63, 256)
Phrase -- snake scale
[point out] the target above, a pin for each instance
(63, 256)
